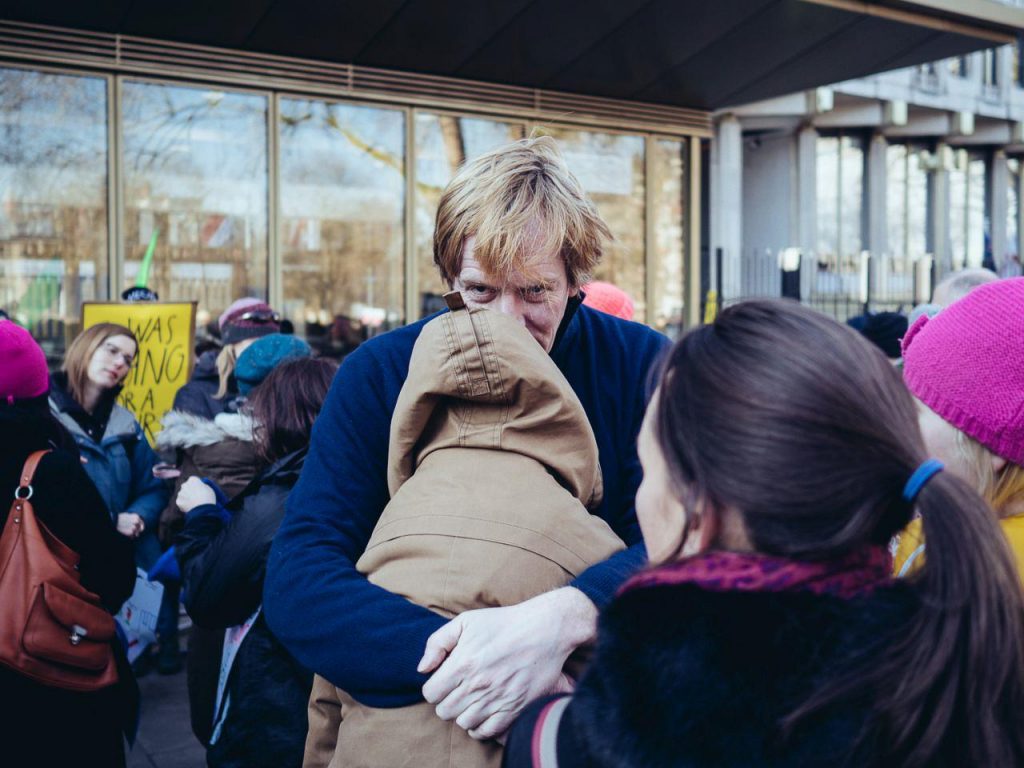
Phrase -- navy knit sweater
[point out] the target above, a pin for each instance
(361, 637)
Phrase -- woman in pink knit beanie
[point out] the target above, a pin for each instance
(965, 366)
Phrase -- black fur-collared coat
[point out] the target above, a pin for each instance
(694, 678)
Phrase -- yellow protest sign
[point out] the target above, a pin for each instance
(165, 331)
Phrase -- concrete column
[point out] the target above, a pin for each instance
(998, 184)
(1004, 64)
(938, 213)
(727, 203)
(807, 206)
(876, 232)
(1020, 216)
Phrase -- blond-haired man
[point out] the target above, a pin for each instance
(515, 233)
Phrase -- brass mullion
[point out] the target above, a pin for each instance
(692, 259)
(275, 287)
(651, 261)
(115, 189)
(411, 263)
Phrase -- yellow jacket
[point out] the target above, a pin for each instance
(910, 547)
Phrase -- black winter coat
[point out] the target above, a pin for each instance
(223, 566)
(197, 396)
(689, 677)
(54, 726)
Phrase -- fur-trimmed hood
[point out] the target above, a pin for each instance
(183, 430)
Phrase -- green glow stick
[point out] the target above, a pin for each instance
(147, 260)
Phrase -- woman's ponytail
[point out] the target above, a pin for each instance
(225, 367)
(964, 647)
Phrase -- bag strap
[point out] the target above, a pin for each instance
(28, 472)
(544, 744)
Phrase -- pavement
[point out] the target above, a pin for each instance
(165, 737)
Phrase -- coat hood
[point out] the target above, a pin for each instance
(206, 366)
(478, 379)
(186, 430)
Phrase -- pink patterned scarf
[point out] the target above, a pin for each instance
(853, 575)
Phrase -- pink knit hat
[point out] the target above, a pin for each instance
(23, 371)
(967, 365)
(236, 324)
(609, 299)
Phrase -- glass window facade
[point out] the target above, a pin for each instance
(906, 202)
(610, 166)
(840, 193)
(669, 200)
(443, 144)
(322, 207)
(53, 200)
(1009, 262)
(194, 168)
(901, 267)
(967, 210)
(341, 209)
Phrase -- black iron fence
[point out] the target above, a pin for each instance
(840, 287)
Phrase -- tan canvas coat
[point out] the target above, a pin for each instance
(492, 468)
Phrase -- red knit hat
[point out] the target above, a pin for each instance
(609, 299)
(23, 371)
(967, 365)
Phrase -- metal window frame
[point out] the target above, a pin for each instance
(410, 105)
(276, 290)
(273, 278)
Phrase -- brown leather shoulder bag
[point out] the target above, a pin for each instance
(52, 629)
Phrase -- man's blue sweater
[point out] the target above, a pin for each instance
(362, 638)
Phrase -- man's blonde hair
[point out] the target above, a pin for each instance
(518, 201)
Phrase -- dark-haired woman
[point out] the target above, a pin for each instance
(43, 725)
(769, 631)
(260, 714)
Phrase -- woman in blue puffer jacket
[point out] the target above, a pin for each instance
(115, 453)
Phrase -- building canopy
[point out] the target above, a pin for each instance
(683, 53)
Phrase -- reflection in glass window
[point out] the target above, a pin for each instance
(195, 182)
(53, 200)
(669, 194)
(610, 166)
(443, 144)
(342, 177)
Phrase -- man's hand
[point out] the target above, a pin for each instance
(495, 661)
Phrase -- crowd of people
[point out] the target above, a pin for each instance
(526, 531)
